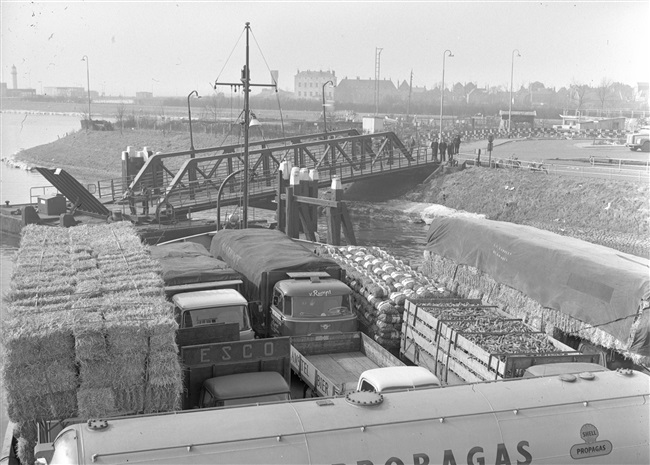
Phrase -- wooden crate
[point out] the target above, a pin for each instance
(431, 341)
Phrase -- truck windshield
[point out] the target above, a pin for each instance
(318, 307)
(217, 315)
(65, 449)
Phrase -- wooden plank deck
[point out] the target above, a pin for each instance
(342, 367)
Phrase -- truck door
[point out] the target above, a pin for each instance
(279, 308)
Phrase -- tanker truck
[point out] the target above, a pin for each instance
(593, 417)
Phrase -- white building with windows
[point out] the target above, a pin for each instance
(309, 85)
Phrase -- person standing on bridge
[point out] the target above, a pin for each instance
(442, 146)
(145, 194)
(456, 144)
(434, 148)
(450, 150)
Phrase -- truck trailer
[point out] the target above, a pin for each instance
(596, 418)
(337, 364)
(298, 292)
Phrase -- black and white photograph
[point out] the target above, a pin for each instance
(331, 232)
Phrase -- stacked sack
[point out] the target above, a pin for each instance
(381, 284)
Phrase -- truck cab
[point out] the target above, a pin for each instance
(244, 388)
(399, 378)
(311, 303)
(639, 140)
(213, 307)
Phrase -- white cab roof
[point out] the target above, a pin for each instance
(203, 299)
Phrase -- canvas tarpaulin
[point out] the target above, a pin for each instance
(599, 286)
(190, 263)
(254, 252)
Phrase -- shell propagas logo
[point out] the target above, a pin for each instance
(592, 447)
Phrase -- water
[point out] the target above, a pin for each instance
(22, 131)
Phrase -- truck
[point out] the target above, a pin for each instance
(639, 140)
(203, 290)
(464, 340)
(337, 364)
(599, 417)
(296, 292)
(215, 374)
(235, 372)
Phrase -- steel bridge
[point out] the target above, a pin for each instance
(191, 180)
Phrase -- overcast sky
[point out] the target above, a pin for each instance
(172, 48)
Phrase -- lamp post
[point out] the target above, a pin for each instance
(512, 71)
(324, 116)
(189, 114)
(442, 89)
(85, 58)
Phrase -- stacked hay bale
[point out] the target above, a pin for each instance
(87, 330)
(381, 284)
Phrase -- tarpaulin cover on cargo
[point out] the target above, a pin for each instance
(189, 263)
(596, 285)
(253, 252)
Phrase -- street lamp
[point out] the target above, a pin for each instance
(85, 58)
(442, 89)
(189, 114)
(324, 117)
(512, 71)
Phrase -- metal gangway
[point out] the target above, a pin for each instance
(192, 181)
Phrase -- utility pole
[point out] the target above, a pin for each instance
(377, 74)
(408, 106)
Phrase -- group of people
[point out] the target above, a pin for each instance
(447, 148)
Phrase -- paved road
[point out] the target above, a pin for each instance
(568, 157)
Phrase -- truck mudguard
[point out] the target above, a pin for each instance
(570, 419)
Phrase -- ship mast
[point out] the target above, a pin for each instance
(246, 83)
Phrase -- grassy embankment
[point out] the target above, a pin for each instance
(97, 155)
(611, 213)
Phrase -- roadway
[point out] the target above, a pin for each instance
(568, 157)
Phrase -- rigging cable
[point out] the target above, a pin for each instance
(277, 94)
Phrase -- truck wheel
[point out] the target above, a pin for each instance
(646, 146)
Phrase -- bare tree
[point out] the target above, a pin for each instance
(579, 95)
(603, 91)
(119, 114)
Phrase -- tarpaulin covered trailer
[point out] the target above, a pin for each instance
(603, 290)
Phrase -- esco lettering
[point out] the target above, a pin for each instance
(225, 353)
(247, 351)
(269, 348)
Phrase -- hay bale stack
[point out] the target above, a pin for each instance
(87, 331)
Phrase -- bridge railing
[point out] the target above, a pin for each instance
(348, 158)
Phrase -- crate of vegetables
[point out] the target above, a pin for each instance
(475, 342)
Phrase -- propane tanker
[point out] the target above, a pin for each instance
(592, 417)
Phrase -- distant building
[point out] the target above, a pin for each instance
(15, 92)
(143, 95)
(642, 91)
(362, 91)
(519, 118)
(404, 88)
(66, 92)
(309, 84)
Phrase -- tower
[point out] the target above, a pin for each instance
(14, 76)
